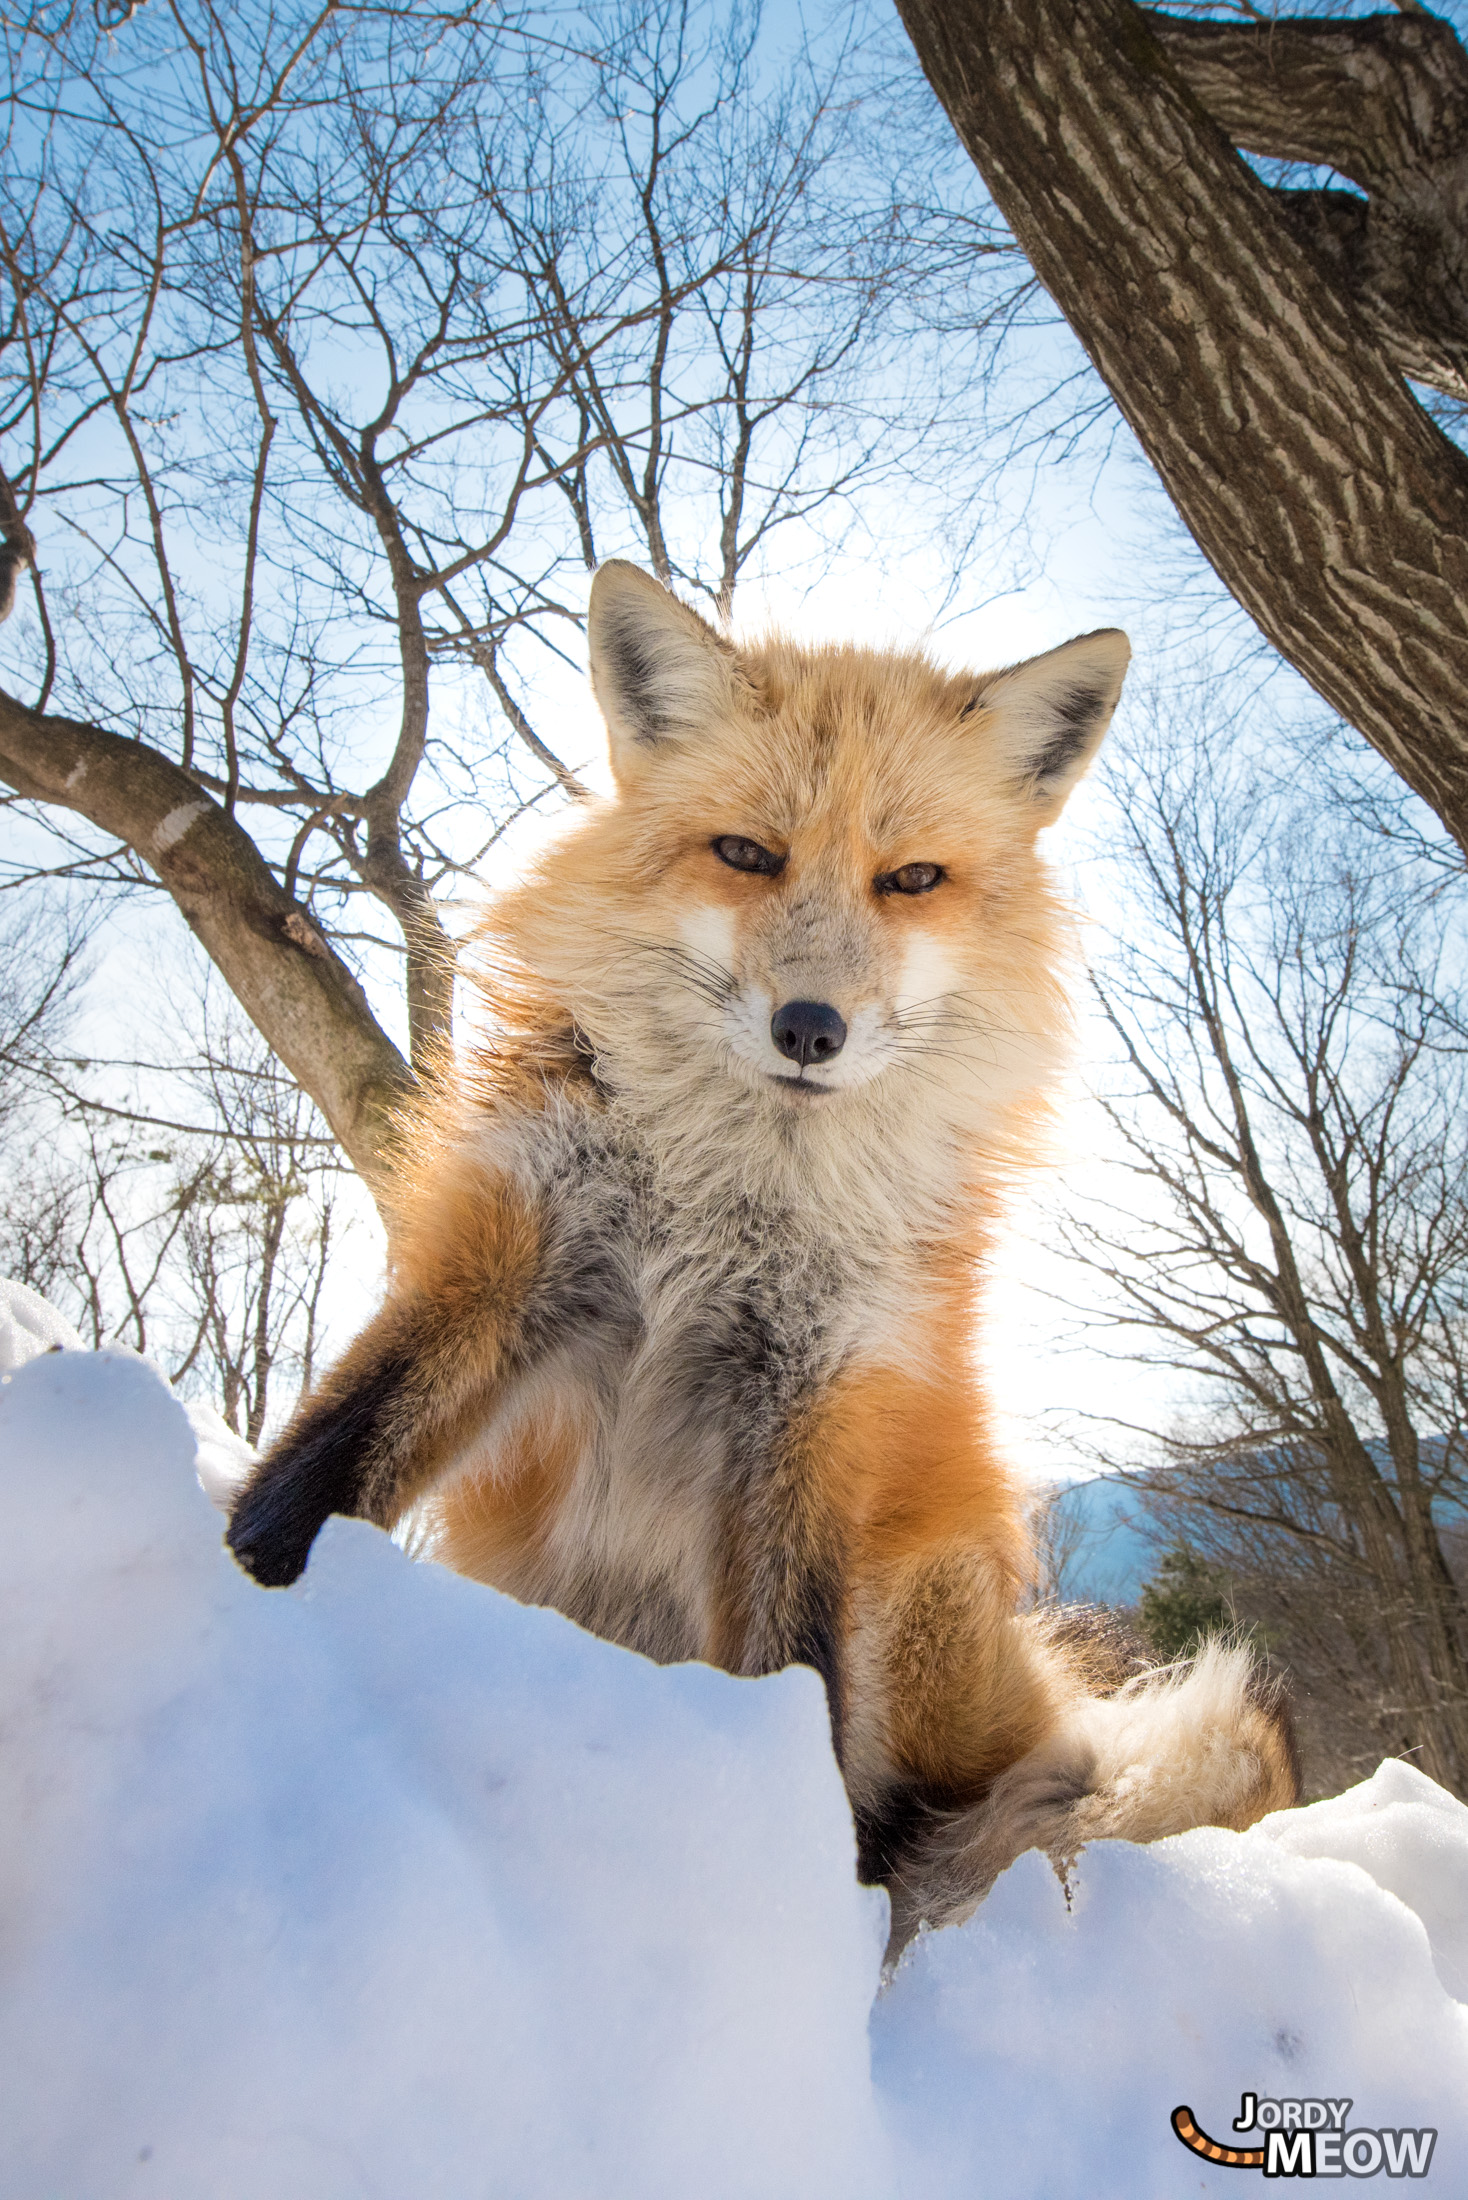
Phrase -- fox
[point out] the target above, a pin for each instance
(688, 1247)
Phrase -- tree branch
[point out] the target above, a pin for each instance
(1384, 100)
(1372, 96)
(1327, 501)
(268, 948)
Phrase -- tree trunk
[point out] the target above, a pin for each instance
(1324, 496)
(269, 950)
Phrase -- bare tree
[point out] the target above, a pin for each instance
(1287, 1000)
(260, 1227)
(201, 1238)
(42, 965)
(339, 342)
(1220, 1546)
(190, 1213)
(1270, 342)
(1060, 1541)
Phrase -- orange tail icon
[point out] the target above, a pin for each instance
(1185, 2125)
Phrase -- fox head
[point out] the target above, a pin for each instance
(817, 893)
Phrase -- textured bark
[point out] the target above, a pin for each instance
(1325, 498)
(1383, 99)
(268, 949)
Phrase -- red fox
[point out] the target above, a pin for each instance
(686, 1254)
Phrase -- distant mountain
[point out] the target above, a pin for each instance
(1111, 1557)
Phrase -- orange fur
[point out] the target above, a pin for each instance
(493, 1526)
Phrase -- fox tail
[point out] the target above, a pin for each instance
(1206, 1742)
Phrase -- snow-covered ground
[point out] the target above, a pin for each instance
(385, 1886)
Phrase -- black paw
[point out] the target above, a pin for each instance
(271, 1536)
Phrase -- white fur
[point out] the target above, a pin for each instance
(928, 974)
(1170, 1750)
(710, 932)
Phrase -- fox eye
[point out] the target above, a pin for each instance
(748, 855)
(913, 878)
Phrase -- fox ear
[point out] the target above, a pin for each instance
(1047, 716)
(656, 669)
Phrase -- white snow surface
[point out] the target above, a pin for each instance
(387, 1886)
(30, 1325)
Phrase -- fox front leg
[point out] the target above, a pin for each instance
(337, 1455)
(454, 1330)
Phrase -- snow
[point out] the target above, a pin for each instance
(30, 1325)
(1407, 1833)
(221, 1458)
(1051, 2047)
(386, 1886)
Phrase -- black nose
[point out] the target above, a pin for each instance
(808, 1031)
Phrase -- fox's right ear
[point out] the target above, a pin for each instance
(657, 670)
(1046, 718)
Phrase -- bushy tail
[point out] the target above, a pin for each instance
(1207, 1742)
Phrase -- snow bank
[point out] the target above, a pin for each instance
(1049, 2047)
(30, 1325)
(385, 1886)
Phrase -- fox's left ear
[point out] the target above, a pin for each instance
(658, 671)
(1047, 716)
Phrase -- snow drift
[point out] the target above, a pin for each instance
(385, 1886)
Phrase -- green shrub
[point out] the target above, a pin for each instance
(1185, 1602)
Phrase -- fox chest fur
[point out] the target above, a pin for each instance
(650, 1472)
